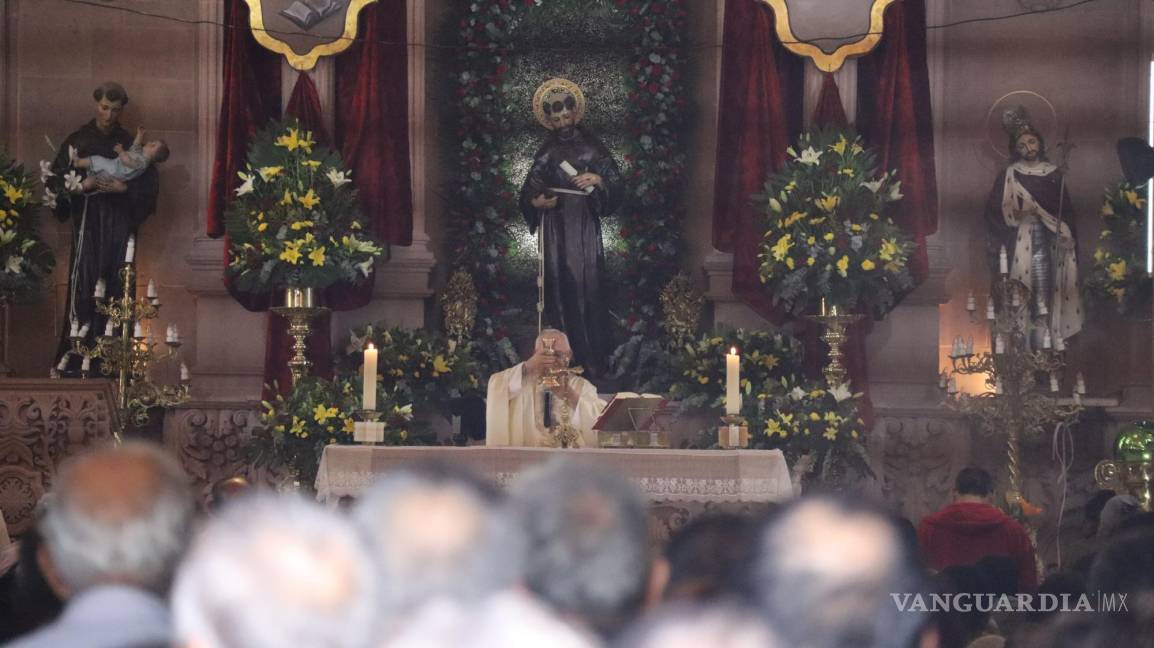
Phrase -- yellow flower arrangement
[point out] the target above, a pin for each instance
(836, 232)
(292, 184)
(1117, 275)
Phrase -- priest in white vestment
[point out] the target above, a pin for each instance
(515, 406)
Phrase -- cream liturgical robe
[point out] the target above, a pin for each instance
(514, 411)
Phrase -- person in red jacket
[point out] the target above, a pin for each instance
(972, 528)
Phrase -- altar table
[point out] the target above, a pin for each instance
(709, 477)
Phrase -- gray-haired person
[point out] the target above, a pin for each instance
(114, 531)
(270, 572)
(440, 538)
(588, 554)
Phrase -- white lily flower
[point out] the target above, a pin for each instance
(45, 170)
(49, 199)
(339, 178)
(809, 156)
(72, 182)
(246, 187)
(774, 205)
(797, 394)
(896, 191)
(13, 264)
(841, 392)
(365, 267)
(874, 186)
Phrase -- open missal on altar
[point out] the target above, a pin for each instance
(630, 420)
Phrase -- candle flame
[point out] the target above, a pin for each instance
(370, 347)
(732, 350)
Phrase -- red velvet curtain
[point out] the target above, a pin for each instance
(372, 120)
(894, 115)
(250, 98)
(829, 111)
(759, 112)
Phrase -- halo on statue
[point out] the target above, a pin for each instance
(1041, 114)
(552, 90)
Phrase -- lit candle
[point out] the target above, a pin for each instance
(1003, 261)
(1080, 384)
(83, 330)
(151, 289)
(971, 302)
(101, 289)
(1047, 341)
(130, 251)
(138, 331)
(369, 393)
(999, 343)
(74, 331)
(86, 363)
(990, 309)
(732, 382)
(1054, 382)
(184, 376)
(108, 328)
(169, 335)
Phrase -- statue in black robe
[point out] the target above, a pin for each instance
(103, 218)
(574, 183)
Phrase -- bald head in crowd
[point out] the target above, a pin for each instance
(118, 516)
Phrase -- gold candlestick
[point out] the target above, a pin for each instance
(300, 308)
(835, 323)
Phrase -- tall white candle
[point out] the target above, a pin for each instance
(1047, 341)
(151, 289)
(63, 364)
(83, 330)
(369, 394)
(138, 331)
(86, 363)
(1054, 382)
(999, 343)
(184, 372)
(971, 302)
(74, 330)
(1003, 261)
(732, 382)
(990, 315)
(1059, 343)
(108, 328)
(101, 289)
(130, 251)
(1080, 384)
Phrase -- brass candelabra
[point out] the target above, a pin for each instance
(126, 353)
(1015, 404)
